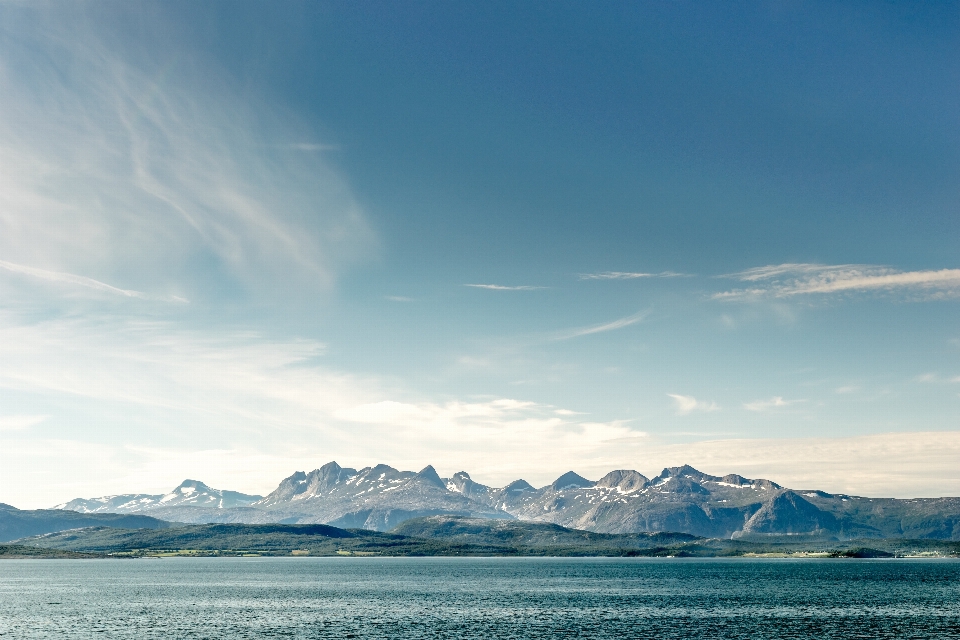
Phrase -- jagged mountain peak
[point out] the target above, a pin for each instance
(767, 484)
(460, 482)
(690, 473)
(381, 474)
(330, 474)
(570, 480)
(518, 485)
(429, 474)
(303, 486)
(187, 486)
(332, 465)
(684, 471)
(378, 469)
(200, 494)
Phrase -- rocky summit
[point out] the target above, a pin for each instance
(679, 499)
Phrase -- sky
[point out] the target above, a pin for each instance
(240, 239)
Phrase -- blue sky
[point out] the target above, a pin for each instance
(238, 240)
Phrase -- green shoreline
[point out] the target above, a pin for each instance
(26, 552)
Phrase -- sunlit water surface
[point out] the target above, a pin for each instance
(479, 598)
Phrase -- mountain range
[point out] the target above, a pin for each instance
(680, 499)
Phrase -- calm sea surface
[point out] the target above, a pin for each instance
(479, 598)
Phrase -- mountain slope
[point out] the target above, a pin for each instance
(16, 523)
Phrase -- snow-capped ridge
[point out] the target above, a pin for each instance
(679, 499)
(189, 493)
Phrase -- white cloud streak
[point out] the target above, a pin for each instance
(629, 275)
(602, 328)
(313, 146)
(765, 405)
(686, 405)
(501, 287)
(937, 378)
(788, 280)
(81, 281)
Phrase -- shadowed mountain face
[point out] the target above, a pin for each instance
(680, 499)
(15, 523)
(522, 534)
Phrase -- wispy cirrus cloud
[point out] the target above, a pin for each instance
(141, 165)
(775, 402)
(688, 404)
(787, 280)
(502, 287)
(629, 275)
(313, 146)
(937, 378)
(81, 281)
(620, 323)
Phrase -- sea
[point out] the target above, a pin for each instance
(376, 597)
